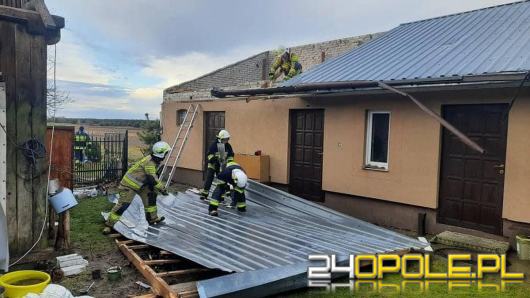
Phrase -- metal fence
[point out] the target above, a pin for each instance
(104, 159)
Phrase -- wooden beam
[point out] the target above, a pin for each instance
(184, 272)
(158, 285)
(145, 296)
(25, 170)
(192, 294)
(139, 246)
(45, 15)
(127, 242)
(34, 22)
(39, 66)
(162, 262)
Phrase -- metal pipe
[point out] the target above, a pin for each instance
(465, 139)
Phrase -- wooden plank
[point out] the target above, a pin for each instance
(189, 294)
(127, 242)
(25, 170)
(185, 287)
(180, 273)
(62, 156)
(158, 285)
(146, 296)
(116, 235)
(63, 232)
(38, 130)
(47, 19)
(162, 262)
(7, 67)
(139, 246)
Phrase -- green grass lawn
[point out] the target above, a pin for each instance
(87, 223)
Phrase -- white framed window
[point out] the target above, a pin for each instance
(181, 115)
(377, 139)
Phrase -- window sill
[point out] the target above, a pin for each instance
(375, 168)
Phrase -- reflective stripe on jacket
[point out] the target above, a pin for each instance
(137, 175)
(80, 140)
(289, 68)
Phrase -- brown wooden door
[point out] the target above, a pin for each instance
(213, 123)
(471, 184)
(307, 138)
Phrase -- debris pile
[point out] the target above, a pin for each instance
(71, 264)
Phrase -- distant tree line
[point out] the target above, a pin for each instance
(102, 122)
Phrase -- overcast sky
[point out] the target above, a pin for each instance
(116, 56)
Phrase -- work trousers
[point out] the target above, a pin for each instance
(238, 199)
(210, 175)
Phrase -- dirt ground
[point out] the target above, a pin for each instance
(103, 287)
(101, 252)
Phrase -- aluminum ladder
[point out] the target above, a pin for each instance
(180, 142)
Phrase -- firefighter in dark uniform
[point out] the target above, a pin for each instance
(234, 176)
(81, 140)
(219, 154)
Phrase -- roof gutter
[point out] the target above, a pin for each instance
(346, 86)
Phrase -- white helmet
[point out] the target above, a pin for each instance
(223, 134)
(160, 149)
(240, 178)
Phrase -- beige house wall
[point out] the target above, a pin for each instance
(414, 151)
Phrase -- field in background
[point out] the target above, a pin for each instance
(135, 144)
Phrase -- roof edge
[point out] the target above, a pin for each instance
(353, 85)
(464, 12)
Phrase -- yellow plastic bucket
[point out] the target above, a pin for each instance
(19, 283)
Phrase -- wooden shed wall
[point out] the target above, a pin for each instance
(23, 66)
(62, 157)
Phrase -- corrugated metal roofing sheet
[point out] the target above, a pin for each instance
(277, 230)
(490, 40)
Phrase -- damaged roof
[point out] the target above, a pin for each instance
(484, 41)
(278, 232)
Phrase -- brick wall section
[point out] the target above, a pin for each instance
(248, 70)
(256, 68)
(311, 54)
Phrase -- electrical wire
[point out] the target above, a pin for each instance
(49, 164)
(32, 149)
